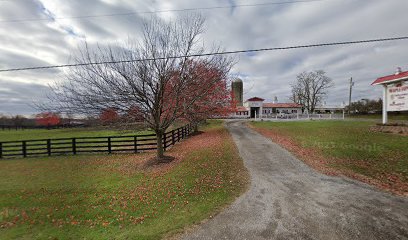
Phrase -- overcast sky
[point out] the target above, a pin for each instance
(268, 74)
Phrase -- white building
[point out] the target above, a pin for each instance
(255, 106)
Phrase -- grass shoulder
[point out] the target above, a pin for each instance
(378, 117)
(345, 147)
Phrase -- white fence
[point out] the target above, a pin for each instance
(303, 116)
(295, 116)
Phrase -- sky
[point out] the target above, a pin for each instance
(48, 32)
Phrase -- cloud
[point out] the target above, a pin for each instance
(266, 74)
(20, 97)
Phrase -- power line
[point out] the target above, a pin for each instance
(157, 11)
(210, 54)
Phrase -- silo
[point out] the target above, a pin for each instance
(238, 91)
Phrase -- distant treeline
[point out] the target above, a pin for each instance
(53, 121)
(22, 127)
(370, 106)
(33, 122)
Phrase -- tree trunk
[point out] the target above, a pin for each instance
(195, 127)
(160, 150)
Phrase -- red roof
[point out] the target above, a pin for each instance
(281, 105)
(242, 109)
(391, 78)
(256, 99)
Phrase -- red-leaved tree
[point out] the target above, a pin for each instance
(134, 114)
(109, 116)
(47, 119)
(215, 101)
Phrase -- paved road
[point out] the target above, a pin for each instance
(289, 200)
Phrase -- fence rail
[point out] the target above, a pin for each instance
(110, 144)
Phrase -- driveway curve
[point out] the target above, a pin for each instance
(289, 200)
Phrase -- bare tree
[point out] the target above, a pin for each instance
(310, 89)
(154, 85)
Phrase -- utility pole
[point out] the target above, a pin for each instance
(351, 89)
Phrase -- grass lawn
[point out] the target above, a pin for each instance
(346, 146)
(120, 196)
(31, 134)
(378, 117)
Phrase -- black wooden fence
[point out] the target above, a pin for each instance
(111, 144)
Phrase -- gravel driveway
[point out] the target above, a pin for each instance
(289, 200)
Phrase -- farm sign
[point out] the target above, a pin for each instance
(395, 92)
(398, 98)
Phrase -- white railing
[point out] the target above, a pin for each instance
(293, 116)
(302, 116)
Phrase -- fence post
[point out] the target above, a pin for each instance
(1, 150)
(135, 144)
(24, 148)
(49, 147)
(173, 138)
(109, 145)
(74, 151)
(183, 132)
(178, 134)
(164, 141)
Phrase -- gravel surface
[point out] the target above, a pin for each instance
(289, 200)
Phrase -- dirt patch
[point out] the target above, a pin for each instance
(315, 159)
(396, 129)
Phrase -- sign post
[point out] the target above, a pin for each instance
(385, 103)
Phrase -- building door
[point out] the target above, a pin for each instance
(254, 111)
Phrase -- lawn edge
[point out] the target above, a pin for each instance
(327, 170)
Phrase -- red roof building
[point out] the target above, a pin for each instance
(256, 99)
(255, 107)
(394, 97)
(399, 76)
